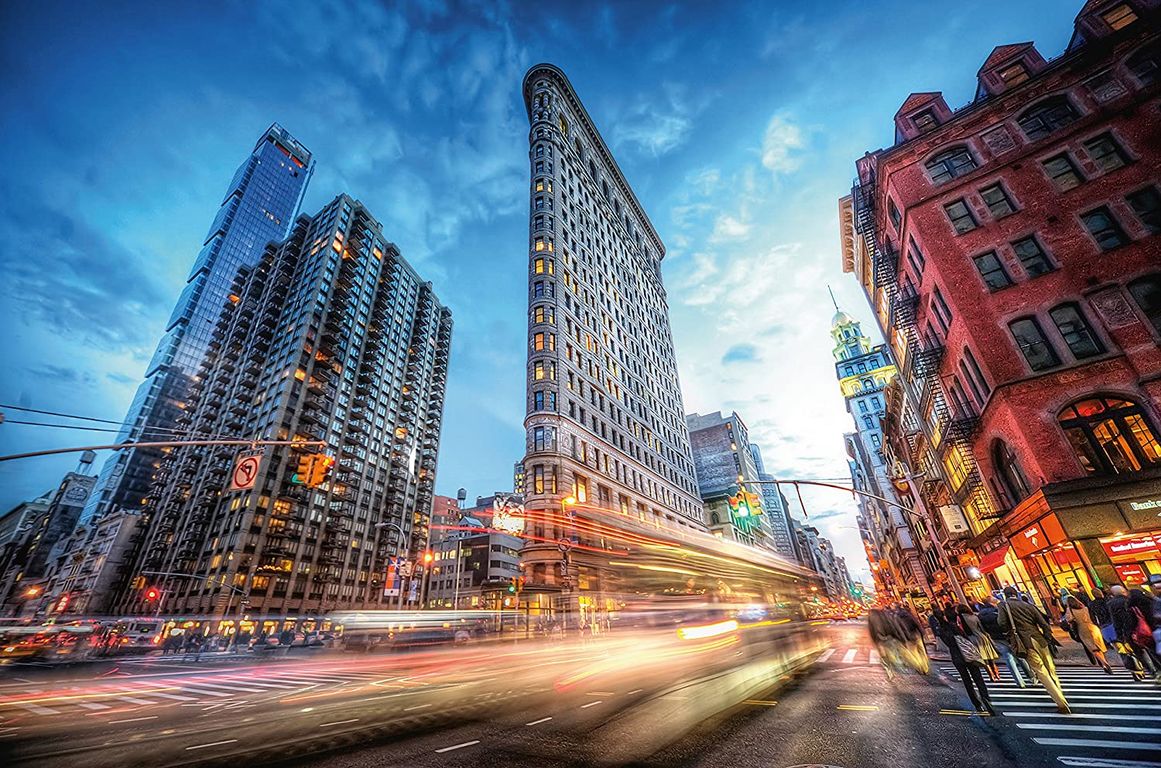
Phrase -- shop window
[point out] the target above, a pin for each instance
(1009, 473)
(1110, 435)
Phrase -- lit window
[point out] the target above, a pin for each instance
(992, 271)
(1104, 229)
(1032, 256)
(538, 342)
(1105, 152)
(925, 121)
(1047, 117)
(1032, 343)
(997, 200)
(1062, 172)
(950, 164)
(1075, 331)
(1146, 203)
(961, 216)
(1119, 17)
(1110, 436)
(1014, 74)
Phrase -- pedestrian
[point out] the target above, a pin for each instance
(972, 627)
(1087, 632)
(886, 635)
(914, 649)
(1098, 609)
(1125, 624)
(965, 658)
(1143, 610)
(1030, 636)
(990, 620)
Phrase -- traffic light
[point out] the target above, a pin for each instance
(305, 463)
(428, 557)
(152, 594)
(319, 469)
(739, 505)
(755, 502)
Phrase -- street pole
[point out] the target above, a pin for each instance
(163, 444)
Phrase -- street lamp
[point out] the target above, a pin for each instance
(405, 556)
(565, 546)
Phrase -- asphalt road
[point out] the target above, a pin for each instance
(612, 702)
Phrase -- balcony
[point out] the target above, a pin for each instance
(926, 360)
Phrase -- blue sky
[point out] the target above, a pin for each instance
(736, 123)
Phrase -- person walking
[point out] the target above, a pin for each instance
(914, 649)
(885, 634)
(975, 631)
(1030, 636)
(1124, 625)
(1088, 633)
(968, 665)
(1144, 625)
(990, 620)
(1098, 609)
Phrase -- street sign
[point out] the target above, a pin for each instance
(245, 471)
(564, 545)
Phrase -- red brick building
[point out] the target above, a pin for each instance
(1010, 249)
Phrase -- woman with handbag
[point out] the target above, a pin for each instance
(965, 657)
(1087, 632)
(988, 653)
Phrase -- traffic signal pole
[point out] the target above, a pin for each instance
(163, 444)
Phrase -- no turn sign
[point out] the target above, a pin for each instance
(245, 471)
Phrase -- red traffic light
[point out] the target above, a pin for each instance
(153, 593)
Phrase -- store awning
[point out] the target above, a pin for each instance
(994, 559)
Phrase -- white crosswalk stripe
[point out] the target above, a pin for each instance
(1109, 723)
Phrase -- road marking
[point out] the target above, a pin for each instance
(1088, 728)
(826, 654)
(849, 656)
(458, 746)
(590, 704)
(1086, 715)
(538, 722)
(638, 690)
(134, 719)
(36, 709)
(761, 703)
(339, 722)
(93, 705)
(172, 696)
(131, 700)
(211, 744)
(417, 706)
(1100, 762)
(961, 712)
(858, 707)
(1102, 743)
(203, 692)
(1039, 703)
(601, 693)
(873, 657)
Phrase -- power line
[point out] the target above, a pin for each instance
(158, 431)
(123, 424)
(62, 415)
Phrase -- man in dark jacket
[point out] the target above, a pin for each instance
(1098, 609)
(1030, 636)
(990, 620)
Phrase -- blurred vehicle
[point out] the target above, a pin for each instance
(46, 644)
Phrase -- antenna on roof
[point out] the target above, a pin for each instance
(832, 298)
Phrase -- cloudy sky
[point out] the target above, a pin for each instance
(736, 123)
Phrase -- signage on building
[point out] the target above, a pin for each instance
(1150, 543)
(1148, 504)
(392, 583)
(1037, 537)
(1131, 575)
(77, 490)
(953, 519)
(507, 515)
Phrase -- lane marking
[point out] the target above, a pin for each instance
(202, 692)
(1038, 703)
(1101, 743)
(826, 654)
(1088, 728)
(590, 704)
(131, 700)
(93, 705)
(858, 707)
(339, 722)
(1086, 715)
(1100, 762)
(760, 703)
(601, 693)
(172, 696)
(960, 712)
(134, 719)
(873, 657)
(638, 690)
(458, 746)
(849, 656)
(417, 706)
(36, 709)
(211, 744)
(538, 722)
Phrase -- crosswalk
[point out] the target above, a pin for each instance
(217, 689)
(856, 656)
(1115, 720)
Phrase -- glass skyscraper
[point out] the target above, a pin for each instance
(259, 207)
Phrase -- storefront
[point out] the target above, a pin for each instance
(1089, 533)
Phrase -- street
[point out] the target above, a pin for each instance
(595, 703)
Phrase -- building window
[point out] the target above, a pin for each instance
(925, 121)
(538, 479)
(581, 489)
(1014, 74)
(1105, 152)
(1032, 256)
(543, 439)
(992, 271)
(1075, 331)
(1104, 228)
(893, 212)
(961, 216)
(950, 164)
(538, 401)
(1032, 343)
(915, 257)
(1046, 117)
(997, 200)
(975, 377)
(1145, 63)
(1062, 172)
(1119, 16)
(941, 310)
(1146, 291)
(1110, 436)
(1146, 203)
(1009, 472)
(538, 342)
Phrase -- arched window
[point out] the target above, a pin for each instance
(1009, 473)
(1110, 435)
(950, 163)
(1049, 115)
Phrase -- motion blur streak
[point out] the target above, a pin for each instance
(709, 630)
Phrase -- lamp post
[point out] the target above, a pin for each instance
(406, 554)
(565, 546)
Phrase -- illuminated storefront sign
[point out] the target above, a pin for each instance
(1131, 574)
(1137, 545)
(1039, 536)
(1139, 506)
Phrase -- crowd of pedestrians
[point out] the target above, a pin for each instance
(1009, 628)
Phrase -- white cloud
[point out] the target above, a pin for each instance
(781, 144)
(729, 228)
